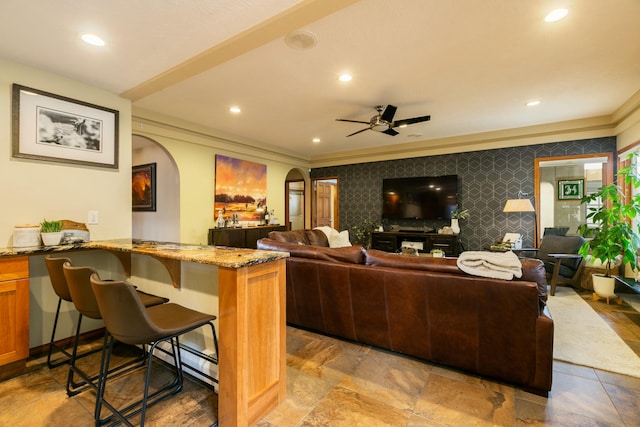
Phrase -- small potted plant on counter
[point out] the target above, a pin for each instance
(51, 232)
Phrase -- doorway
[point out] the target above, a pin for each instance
(294, 209)
(324, 203)
(295, 200)
(163, 223)
(590, 170)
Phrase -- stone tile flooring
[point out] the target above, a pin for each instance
(336, 383)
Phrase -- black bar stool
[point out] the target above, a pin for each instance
(61, 288)
(85, 302)
(127, 320)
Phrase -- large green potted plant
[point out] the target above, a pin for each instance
(612, 236)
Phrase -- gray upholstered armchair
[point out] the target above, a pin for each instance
(561, 260)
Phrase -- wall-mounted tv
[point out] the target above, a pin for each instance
(429, 197)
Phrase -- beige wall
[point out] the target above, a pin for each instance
(33, 190)
(194, 154)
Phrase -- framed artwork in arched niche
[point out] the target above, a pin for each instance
(143, 188)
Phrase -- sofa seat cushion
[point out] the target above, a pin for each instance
(349, 254)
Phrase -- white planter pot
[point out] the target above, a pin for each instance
(455, 227)
(51, 239)
(604, 287)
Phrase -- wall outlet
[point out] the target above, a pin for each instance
(92, 217)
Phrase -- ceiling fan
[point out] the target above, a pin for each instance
(383, 121)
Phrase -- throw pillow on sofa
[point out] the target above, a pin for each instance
(337, 239)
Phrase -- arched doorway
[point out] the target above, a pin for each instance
(295, 196)
(163, 224)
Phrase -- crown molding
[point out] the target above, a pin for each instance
(595, 127)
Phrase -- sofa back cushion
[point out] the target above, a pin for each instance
(303, 237)
(386, 259)
(349, 254)
(533, 270)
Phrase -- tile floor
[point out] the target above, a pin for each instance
(336, 383)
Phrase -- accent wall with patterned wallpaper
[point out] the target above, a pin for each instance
(486, 179)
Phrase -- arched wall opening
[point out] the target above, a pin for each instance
(295, 200)
(163, 224)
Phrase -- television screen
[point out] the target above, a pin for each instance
(433, 197)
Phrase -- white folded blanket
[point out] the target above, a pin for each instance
(495, 265)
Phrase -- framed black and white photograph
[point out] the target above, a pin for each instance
(570, 189)
(55, 128)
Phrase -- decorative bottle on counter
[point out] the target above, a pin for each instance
(220, 219)
(266, 215)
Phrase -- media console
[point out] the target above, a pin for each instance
(391, 241)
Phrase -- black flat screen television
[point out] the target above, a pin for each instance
(429, 197)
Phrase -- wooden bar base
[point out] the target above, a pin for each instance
(252, 364)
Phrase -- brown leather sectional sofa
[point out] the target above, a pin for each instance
(420, 306)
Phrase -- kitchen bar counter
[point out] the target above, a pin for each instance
(251, 320)
(217, 255)
(169, 254)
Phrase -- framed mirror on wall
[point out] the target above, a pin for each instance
(559, 185)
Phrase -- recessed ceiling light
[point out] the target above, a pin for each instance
(316, 140)
(346, 77)
(92, 39)
(556, 15)
(235, 110)
(533, 103)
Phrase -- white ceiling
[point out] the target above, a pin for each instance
(472, 65)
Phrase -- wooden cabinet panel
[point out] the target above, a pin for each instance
(252, 339)
(14, 309)
(241, 237)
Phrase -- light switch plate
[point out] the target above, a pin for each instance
(92, 217)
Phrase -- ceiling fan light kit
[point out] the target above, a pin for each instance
(383, 122)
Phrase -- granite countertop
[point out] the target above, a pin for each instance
(220, 256)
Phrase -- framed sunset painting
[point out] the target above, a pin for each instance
(240, 188)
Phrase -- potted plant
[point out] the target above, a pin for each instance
(51, 232)
(614, 235)
(361, 234)
(455, 217)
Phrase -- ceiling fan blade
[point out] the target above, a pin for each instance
(388, 113)
(351, 121)
(391, 132)
(362, 130)
(411, 121)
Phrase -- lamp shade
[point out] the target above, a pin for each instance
(518, 205)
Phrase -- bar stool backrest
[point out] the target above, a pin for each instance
(81, 292)
(125, 317)
(56, 274)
